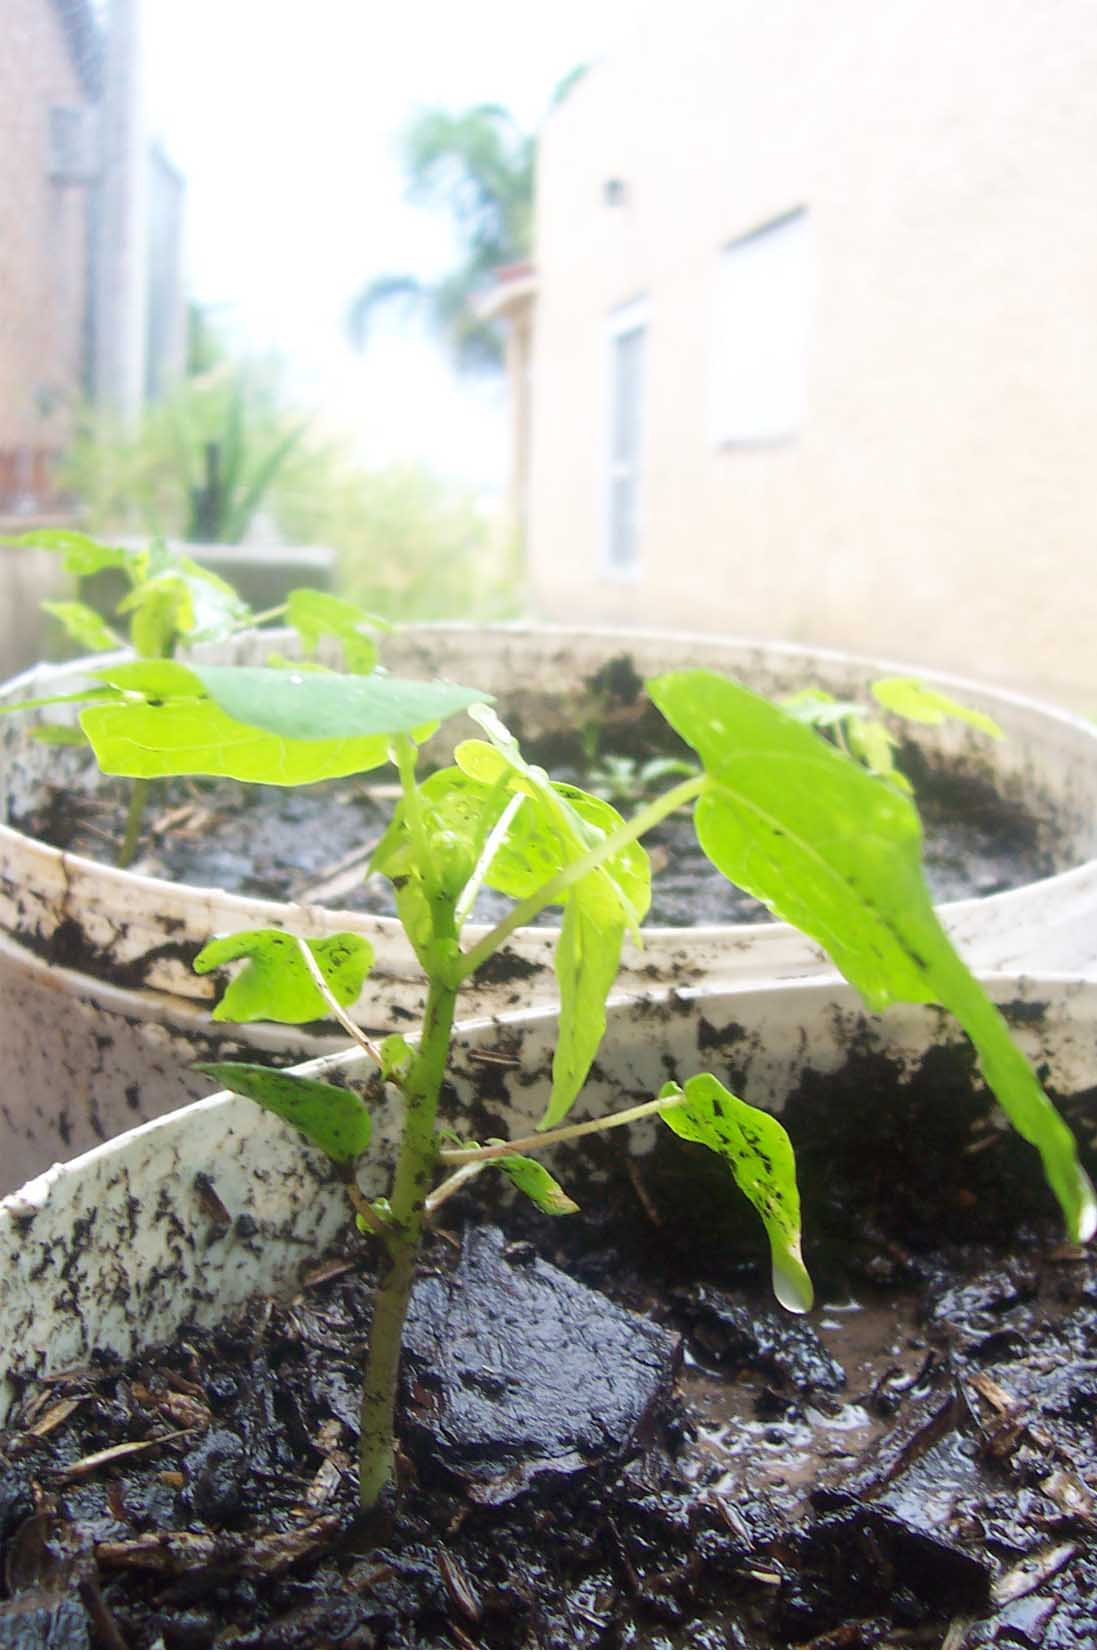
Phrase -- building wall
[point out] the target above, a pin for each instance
(939, 501)
(42, 237)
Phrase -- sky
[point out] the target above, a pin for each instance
(285, 118)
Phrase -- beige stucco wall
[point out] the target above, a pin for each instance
(940, 503)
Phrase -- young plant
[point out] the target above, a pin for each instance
(829, 846)
(173, 601)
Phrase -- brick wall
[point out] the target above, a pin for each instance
(43, 253)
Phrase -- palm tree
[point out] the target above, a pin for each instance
(480, 165)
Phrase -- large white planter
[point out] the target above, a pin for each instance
(103, 1018)
(116, 1249)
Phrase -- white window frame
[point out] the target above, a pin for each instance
(634, 317)
(763, 310)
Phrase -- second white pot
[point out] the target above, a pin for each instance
(118, 1249)
(104, 1018)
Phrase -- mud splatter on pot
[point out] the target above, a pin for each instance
(182, 1218)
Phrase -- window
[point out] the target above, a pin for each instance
(764, 299)
(627, 372)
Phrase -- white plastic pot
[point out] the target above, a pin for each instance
(118, 1249)
(104, 1018)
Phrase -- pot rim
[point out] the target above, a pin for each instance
(60, 868)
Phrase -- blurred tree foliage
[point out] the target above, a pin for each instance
(479, 166)
(410, 545)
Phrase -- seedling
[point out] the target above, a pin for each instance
(172, 601)
(829, 846)
(853, 727)
(863, 736)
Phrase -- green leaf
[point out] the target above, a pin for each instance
(757, 1151)
(397, 1056)
(333, 1119)
(588, 956)
(818, 708)
(532, 1179)
(555, 826)
(332, 706)
(912, 699)
(82, 555)
(155, 679)
(829, 847)
(837, 851)
(316, 614)
(84, 626)
(275, 984)
(57, 734)
(457, 815)
(215, 609)
(870, 742)
(197, 737)
(161, 611)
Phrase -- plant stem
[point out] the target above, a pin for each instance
(259, 619)
(547, 1138)
(403, 755)
(350, 1026)
(451, 1185)
(487, 855)
(643, 821)
(139, 796)
(414, 1171)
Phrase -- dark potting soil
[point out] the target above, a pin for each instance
(313, 845)
(611, 1436)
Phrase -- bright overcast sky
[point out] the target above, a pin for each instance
(285, 116)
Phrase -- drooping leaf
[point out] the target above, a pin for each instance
(919, 704)
(335, 1120)
(86, 628)
(756, 1149)
(837, 852)
(588, 956)
(317, 614)
(275, 983)
(532, 1179)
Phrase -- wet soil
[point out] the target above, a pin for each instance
(611, 1435)
(313, 844)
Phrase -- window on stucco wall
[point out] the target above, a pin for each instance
(628, 332)
(765, 287)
